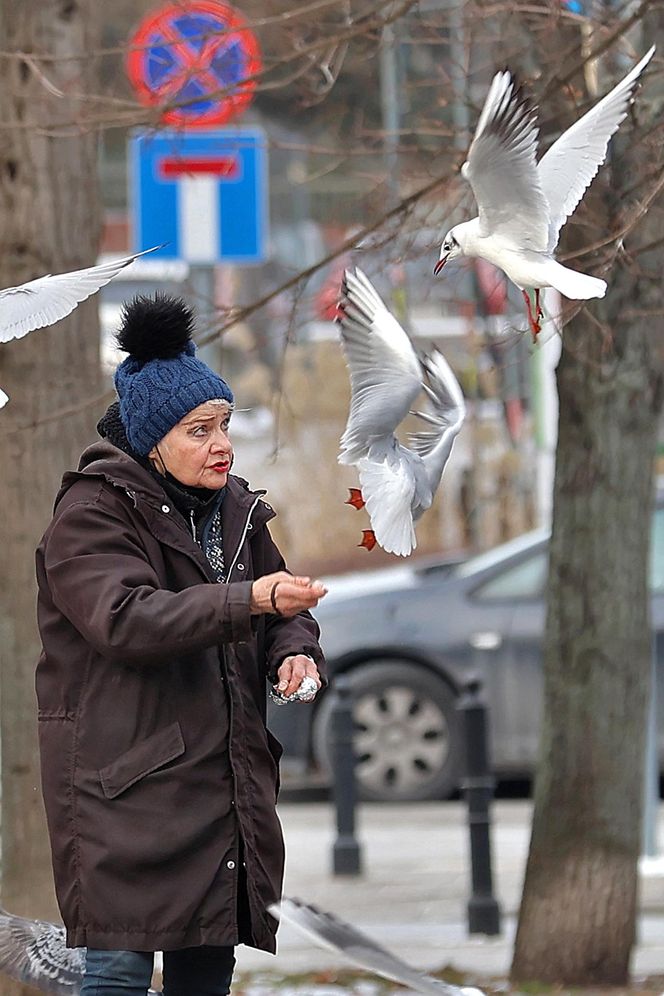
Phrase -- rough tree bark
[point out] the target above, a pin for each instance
(578, 912)
(49, 221)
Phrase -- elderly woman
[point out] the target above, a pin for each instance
(164, 605)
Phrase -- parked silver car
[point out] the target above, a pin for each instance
(410, 636)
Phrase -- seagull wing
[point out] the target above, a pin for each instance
(48, 299)
(572, 162)
(385, 375)
(35, 952)
(449, 410)
(339, 936)
(502, 169)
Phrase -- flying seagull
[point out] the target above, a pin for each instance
(48, 299)
(331, 932)
(523, 203)
(397, 483)
(35, 953)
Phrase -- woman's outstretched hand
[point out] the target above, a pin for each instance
(285, 594)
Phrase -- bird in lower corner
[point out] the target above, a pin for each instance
(35, 953)
(523, 204)
(48, 299)
(397, 483)
(331, 932)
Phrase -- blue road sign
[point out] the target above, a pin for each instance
(203, 194)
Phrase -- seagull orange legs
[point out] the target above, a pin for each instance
(357, 501)
(368, 539)
(534, 321)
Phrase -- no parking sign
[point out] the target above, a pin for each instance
(199, 58)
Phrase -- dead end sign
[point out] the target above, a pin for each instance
(201, 195)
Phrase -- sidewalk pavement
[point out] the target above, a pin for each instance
(412, 894)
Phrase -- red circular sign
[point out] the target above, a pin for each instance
(198, 58)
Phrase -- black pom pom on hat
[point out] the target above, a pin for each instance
(155, 327)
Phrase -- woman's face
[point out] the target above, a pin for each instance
(197, 451)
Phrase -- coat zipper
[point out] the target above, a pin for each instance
(243, 536)
(132, 495)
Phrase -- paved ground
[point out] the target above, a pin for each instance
(414, 888)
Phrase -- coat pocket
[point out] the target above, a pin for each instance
(141, 759)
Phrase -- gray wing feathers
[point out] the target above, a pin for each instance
(34, 952)
(446, 418)
(384, 371)
(331, 932)
(49, 299)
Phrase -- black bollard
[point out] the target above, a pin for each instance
(478, 784)
(346, 851)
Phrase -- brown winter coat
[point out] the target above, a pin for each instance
(159, 776)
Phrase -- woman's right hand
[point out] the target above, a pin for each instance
(285, 594)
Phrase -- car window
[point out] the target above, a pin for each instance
(524, 580)
(495, 556)
(657, 551)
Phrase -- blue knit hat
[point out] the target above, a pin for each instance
(161, 380)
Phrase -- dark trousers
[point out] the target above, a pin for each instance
(203, 971)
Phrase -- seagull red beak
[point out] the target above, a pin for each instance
(439, 265)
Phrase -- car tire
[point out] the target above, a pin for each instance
(407, 734)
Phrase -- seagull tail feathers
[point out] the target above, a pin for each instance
(388, 494)
(574, 285)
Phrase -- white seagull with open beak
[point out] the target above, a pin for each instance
(48, 299)
(523, 203)
(386, 375)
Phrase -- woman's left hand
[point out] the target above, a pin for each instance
(291, 672)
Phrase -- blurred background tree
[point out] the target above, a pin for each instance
(50, 220)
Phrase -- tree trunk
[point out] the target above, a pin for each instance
(578, 912)
(49, 222)
(576, 924)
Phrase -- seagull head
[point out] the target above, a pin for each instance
(450, 249)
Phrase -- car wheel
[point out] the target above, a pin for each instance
(407, 737)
